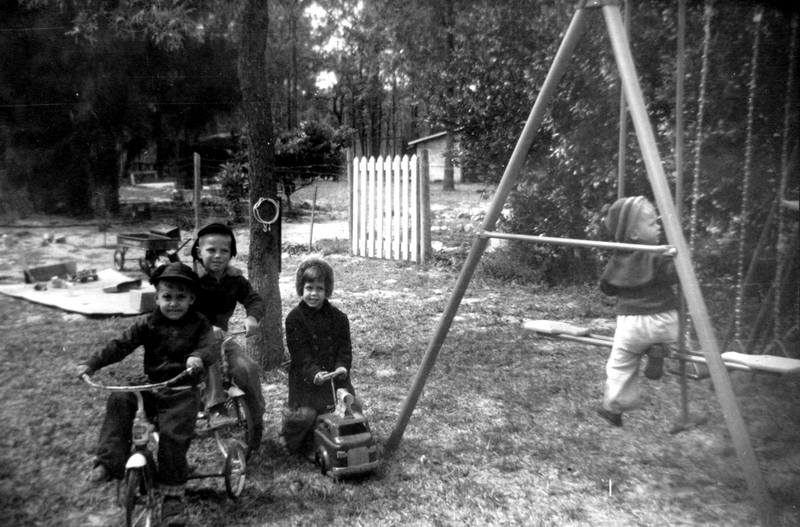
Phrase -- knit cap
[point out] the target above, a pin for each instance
(623, 215)
(324, 266)
(213, 227)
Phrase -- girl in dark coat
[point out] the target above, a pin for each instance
(318, 338)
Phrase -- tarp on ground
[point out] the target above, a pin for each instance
(87, 298)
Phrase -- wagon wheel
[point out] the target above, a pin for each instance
(148, 263)
(119, 258)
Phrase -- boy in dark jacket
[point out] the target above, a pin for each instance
(318, 338)
(222, 287)
(646, 305)
(174, 337)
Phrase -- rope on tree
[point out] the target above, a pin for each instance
(782, 230)
(748, 161)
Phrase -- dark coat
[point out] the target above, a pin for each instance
(318, 340)
(167, 344)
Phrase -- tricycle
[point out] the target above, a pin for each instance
(141, 498)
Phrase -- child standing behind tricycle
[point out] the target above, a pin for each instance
(174, 337)
(646, 305)
(318, 338)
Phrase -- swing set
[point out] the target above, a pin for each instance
(717, 363)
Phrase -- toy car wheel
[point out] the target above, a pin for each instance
(235, 469)
(323, 461)
(119, 259)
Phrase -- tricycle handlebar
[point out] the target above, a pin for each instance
(141, 388)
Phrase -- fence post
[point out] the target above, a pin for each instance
(351, 191)
(414, 203)
(404, 208)
(362, 216)
(425, 206)
(396, 180)
(379, 201)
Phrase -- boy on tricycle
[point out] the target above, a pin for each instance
(175, 338)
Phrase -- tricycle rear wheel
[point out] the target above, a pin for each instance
(243, 430)
(235, 468)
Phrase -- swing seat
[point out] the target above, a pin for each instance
(732, 359)
(552, 327)
(770, 363)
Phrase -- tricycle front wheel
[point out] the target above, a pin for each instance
(141, 502)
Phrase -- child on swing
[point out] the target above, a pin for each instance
(646, 305)
(318, 338)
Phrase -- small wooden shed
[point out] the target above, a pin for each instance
(435, 145)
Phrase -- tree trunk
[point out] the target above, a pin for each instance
(449, 181)
(264, 263)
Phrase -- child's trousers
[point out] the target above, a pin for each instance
(177, 416)
(633, 336)
(245, 373)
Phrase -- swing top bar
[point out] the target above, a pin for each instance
(662, 249)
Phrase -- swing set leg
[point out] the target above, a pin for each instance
(684, 423)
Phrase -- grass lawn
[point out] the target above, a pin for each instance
(504, 434)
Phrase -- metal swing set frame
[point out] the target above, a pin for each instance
(689, 285)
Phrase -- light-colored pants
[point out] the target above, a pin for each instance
(634, 335)
(245, 373)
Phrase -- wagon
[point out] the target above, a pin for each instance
(156, 243)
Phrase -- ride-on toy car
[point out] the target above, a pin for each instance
(343, 442)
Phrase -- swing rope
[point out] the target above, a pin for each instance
(748, 161)
(700, 113)
(708, 11)
(782, 228)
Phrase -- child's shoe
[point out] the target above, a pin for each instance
(172, 512)
(219, 418)
(613, 418)
(655, 362)
(99, 474)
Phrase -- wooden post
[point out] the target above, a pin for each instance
(425, 205)
(198, 187)
(350, 173)
(311, 231)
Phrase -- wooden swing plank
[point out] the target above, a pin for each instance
(771, 363)
(731, 359)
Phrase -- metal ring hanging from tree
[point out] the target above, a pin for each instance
(270, 214)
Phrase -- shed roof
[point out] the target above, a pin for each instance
(427, 138)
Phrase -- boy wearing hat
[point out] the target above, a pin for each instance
(175, 337)
(222, 287)
(646, 305)
(318, 338)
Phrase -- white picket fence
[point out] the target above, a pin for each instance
(385, 210)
